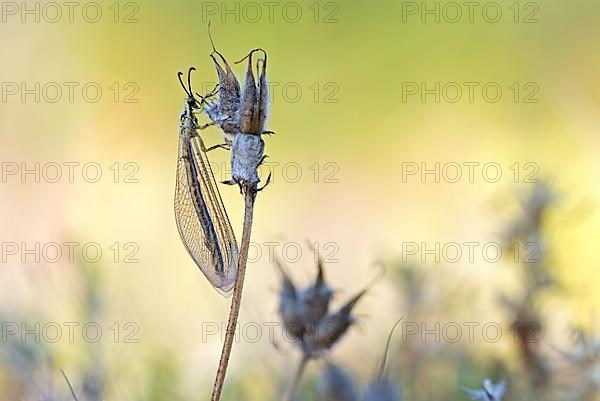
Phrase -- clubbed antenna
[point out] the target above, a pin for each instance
(188, 89)
(179, 75)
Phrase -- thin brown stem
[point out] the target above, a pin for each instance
(236, 301)
(291, 390)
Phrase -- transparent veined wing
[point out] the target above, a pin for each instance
(201, 217)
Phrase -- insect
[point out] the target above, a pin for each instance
(201, 218)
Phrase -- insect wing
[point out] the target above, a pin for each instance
(201, 218)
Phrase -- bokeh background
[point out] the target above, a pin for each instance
(346, 127)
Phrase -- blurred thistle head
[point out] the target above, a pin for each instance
(301, 309)
(224, 112)
(488, 392)
(305, 312)
(335, 384)
(381, 388)
(254, 98)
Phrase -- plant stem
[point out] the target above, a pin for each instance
(236, 301)
(289, 394)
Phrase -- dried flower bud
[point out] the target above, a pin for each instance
(335, 384)
(488, 392)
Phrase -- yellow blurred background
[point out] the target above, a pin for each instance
(346, 130)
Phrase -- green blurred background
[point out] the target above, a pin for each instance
(347, 132)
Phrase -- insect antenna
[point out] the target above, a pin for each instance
(188, 89)
(189, 80)
(179, 75)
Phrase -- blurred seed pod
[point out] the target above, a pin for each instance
(488, 392)
(335, 384)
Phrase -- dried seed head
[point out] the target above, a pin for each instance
(488, 392)
(254, 100)
(335, 384)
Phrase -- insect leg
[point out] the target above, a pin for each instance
(261, 161)
(222, 146)
(205, 126)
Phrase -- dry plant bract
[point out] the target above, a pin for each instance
(307, 318)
